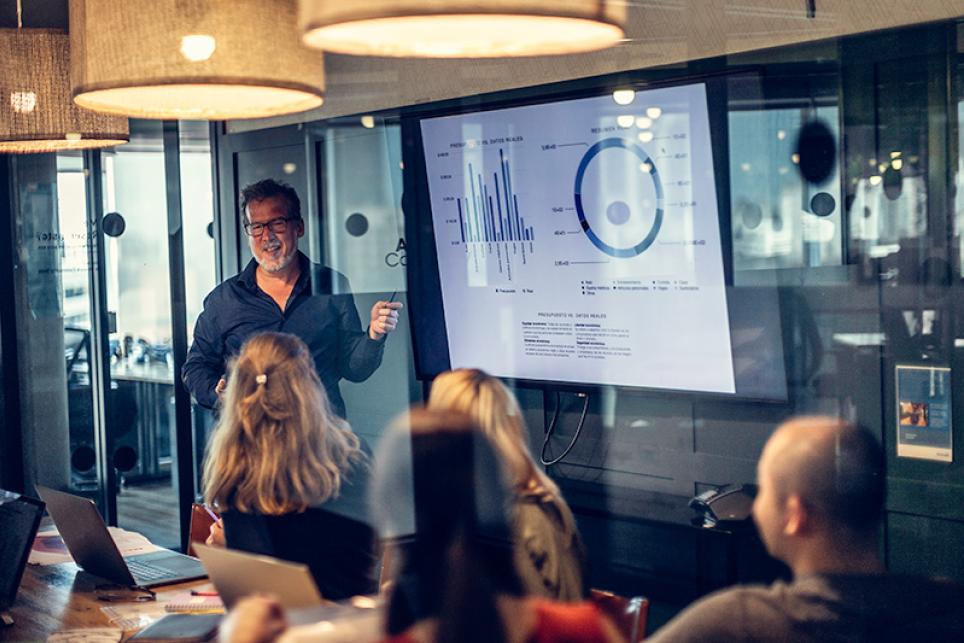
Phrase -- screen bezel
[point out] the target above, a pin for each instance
(6, 602)
(429, 338)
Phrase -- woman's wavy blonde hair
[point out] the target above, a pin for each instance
(486, 400)
(277, 447)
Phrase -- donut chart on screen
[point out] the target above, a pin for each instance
(650, 171)
(584, 236)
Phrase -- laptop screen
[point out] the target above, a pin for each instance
(20, 517)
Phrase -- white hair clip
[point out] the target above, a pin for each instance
(261, 379)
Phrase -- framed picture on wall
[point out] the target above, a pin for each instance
(924, 413)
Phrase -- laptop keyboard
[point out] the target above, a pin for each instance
(147, 572)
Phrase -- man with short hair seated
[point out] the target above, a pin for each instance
(818, 510)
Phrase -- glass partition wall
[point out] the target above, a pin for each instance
(47, 324)
(139, 309)
(360, 185)
(200, 260)
(861, 257)
(93, 319)
(837, 165)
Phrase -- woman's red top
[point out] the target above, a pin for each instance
(555, 623)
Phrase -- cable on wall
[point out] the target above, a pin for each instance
(549, 460)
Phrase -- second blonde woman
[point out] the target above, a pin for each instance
(548, 550)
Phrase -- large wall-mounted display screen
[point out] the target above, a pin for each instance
(579, 241)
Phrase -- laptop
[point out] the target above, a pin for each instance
(92, 547)
(237, 574)
(20, 517)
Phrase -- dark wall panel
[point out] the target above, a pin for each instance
(924, 545)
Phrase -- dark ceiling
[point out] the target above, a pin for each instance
(46, 14)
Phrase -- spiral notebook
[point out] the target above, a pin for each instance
(187, 603)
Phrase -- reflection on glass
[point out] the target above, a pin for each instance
(779, 219)
(364, 239)
(74, 278)
(959, 184)
(197, 211)
(141, 421)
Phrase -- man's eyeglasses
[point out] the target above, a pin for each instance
(277, 226)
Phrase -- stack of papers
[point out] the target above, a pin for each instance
(49, 549)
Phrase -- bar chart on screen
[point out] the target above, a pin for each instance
(491, 226)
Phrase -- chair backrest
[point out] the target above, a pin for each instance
(628, 614)
(201, 523)
(387, 572)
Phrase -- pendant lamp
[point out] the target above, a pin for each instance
(192, 59)
(461, 28)
(36, 114)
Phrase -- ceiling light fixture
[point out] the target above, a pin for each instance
(624, 96)
(36, 114)
(461, 28)
(192, 59)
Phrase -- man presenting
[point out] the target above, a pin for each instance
(281, 290)
(818, 510)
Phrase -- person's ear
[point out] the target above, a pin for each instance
(301, 228)
(796, 519)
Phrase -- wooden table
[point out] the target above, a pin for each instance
(62, 597)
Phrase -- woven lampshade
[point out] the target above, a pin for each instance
(192, 59)
(36, 114)
(461, 28)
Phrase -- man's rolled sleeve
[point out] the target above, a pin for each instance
(358, 354)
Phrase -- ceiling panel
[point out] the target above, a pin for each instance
(659, 32)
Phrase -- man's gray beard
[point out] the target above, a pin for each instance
(278, 267)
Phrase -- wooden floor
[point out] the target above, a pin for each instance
(150, 509)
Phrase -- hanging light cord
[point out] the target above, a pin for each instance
(20, 14)
(549, 461)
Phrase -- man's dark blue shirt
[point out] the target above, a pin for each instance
(320, 310)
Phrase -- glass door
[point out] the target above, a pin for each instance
(140, 425)
(91, 280)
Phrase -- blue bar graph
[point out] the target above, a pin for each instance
(458, 202)
(498, 205)
(492, 216)
(503, 165)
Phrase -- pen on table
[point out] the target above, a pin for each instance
(213, 515)
(195, 592)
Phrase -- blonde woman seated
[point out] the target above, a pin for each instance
(440, 490)
(286, 474)
(549, 554)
